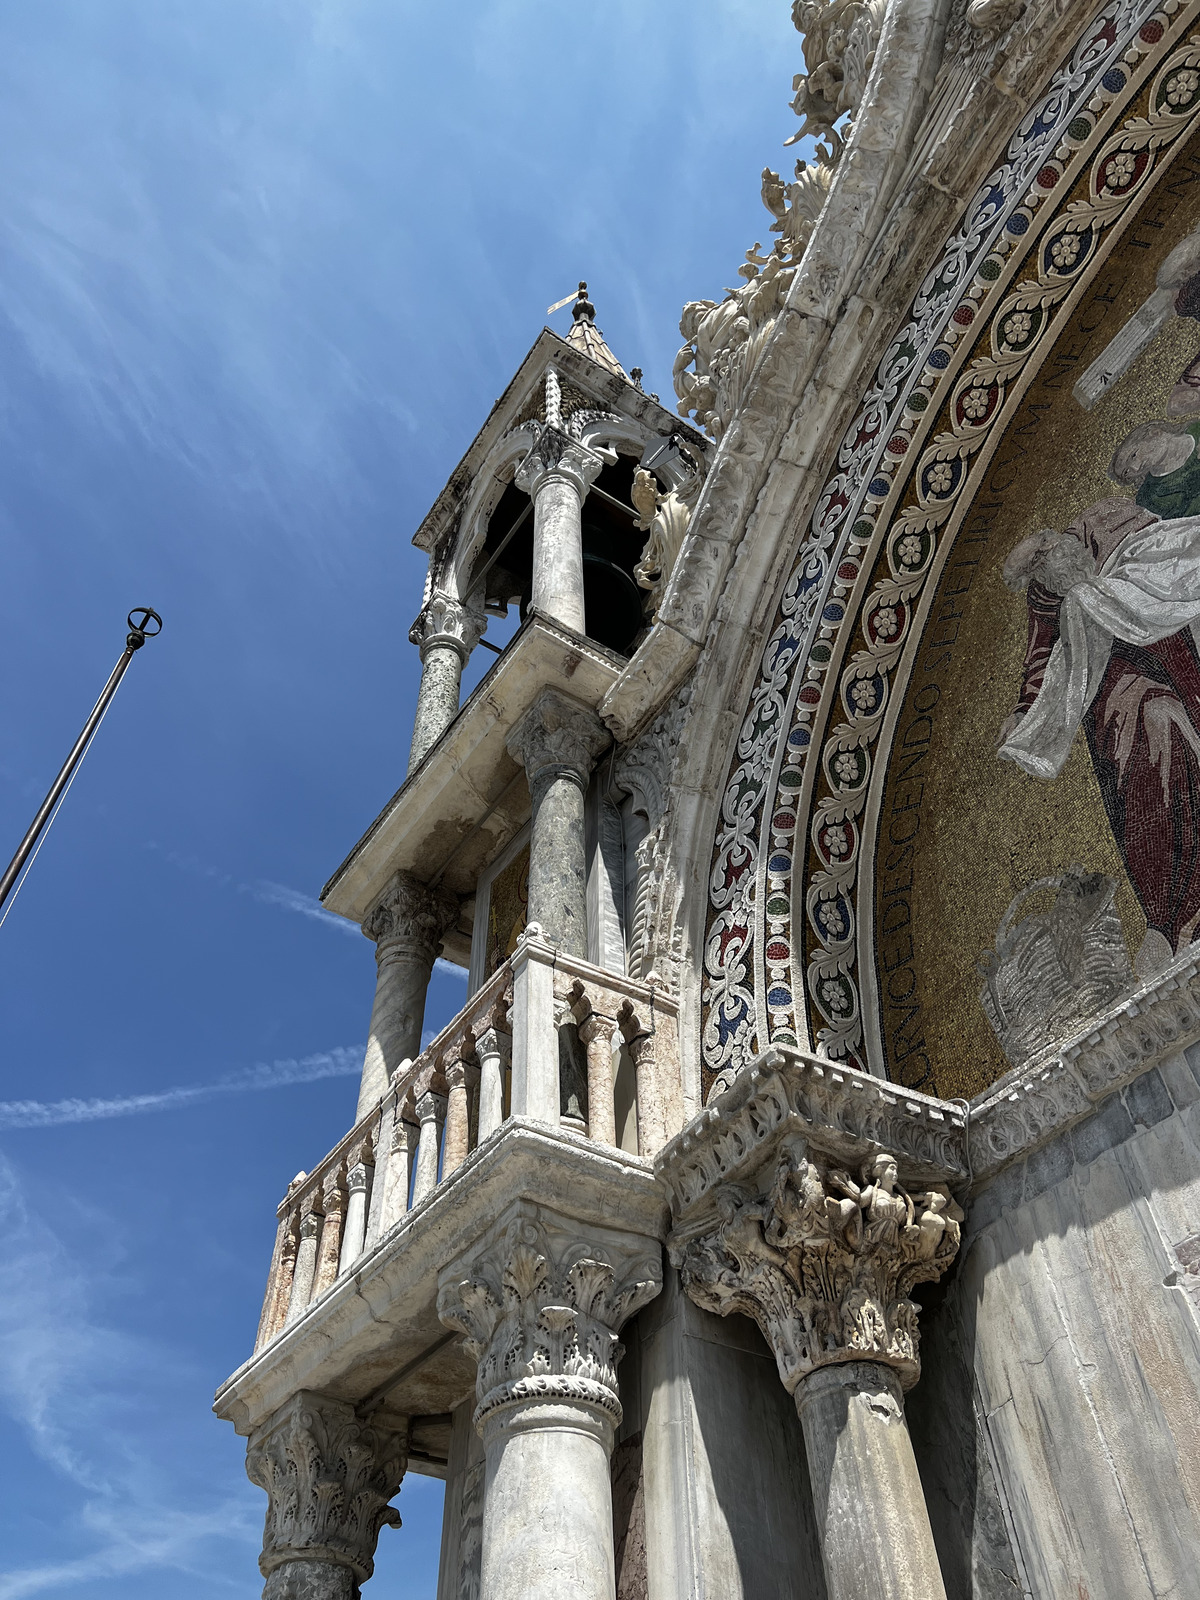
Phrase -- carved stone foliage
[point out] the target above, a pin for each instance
(558, 735)
(554, 451)
(411, 912)
(839, 49)
(541, 1310)
(824, 1261)
(446, 620)
(329, 1478)
(665, 518)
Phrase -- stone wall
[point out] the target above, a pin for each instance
(1076, 1308)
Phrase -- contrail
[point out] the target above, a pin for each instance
(342, 1062)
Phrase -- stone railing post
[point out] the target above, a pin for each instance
(354, 1231)
(461, 1077)
(597, 1033)
(279, 1282)
(407, 924)
(431, 1113)
(557, 474)
(493, 1048)
(824, 1262)
(329, 1478)
(557, 742)
(446, 632)
(333, 1201)
(399, 1171)
(306, 1258)
(541, 1310)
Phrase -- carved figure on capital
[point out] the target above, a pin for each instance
(541, 1311)
(825, 1263)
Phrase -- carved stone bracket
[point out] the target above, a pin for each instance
(329, 1478)
(541, 1308)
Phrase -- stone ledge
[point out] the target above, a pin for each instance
(377, 1326)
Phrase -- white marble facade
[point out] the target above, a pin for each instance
(644, 1254)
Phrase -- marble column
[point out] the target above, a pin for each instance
(493, 1049)
(557, 742)
(407, 924)
(557, 474)
(329, 1478)
(541, 1303)
(596, 1033)
(825, 1262)
(461, 1078)
(354, 1231)
(446, 632)
(305, 1272)
(431, 1114)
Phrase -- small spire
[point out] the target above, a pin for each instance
(586, 336)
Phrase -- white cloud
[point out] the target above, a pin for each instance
(342, 1062)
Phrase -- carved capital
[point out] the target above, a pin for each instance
(558, 737)
(430, 1106)
(554, 454)
(358, 1178)
(329, 1478)
(824, 1261)
(447, 621)
(411, 918)
(541, 1308)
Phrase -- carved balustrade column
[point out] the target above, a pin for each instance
(399, 1171)
(557, 474)
(431, 1114)
(329, 1478)
(445, 633)
(279, 1283)
(333, 1201)
(407, 924)
(354, 1231)
(541, 1312)
(461, 1078)
(596, 1034)
(493, 1049)
(824, 1263)
(557, 742)
(306, 1257)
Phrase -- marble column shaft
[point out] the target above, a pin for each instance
(461, 1078)
(597, 1033)
(541, 1313)
(557, 742)
(431, 1113)
(493, 1049)
(329, 1478)
(557, 473)
(445, 633)
(407, 924)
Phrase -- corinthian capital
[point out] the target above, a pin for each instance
(541, 1309)
(555, 454)
(411, 913)
(445, 620)
(825, 1261)
(560, 735)
(329, 1478)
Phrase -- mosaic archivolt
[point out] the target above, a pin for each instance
(1067, 179)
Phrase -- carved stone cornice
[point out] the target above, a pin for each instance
(824, 1262)
(541, 1306)
(558, 737)
(329, 1478)
(443, 620)
(554, 453)
(412, 915)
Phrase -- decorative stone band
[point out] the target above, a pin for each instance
(445, 620)
(541, 1308)
(788, 1091)
(1034, 1104)
(329, 1478)
(824, 1262)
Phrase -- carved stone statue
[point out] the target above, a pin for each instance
(665, 518)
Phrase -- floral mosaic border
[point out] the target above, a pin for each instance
(752, 975)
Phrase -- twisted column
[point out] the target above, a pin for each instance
(541, 1311)
(557, 474)
(328, 1478)
(557, 742)
(407, 924)
(824, 1262)
(446, 632)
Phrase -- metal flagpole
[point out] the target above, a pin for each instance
(139, 631)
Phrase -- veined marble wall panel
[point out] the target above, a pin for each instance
(728, 1509)
(462, 1515)
(1077, 1306)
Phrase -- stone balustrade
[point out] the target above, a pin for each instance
(547, 1037)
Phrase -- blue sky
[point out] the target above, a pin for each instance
(266, 265)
